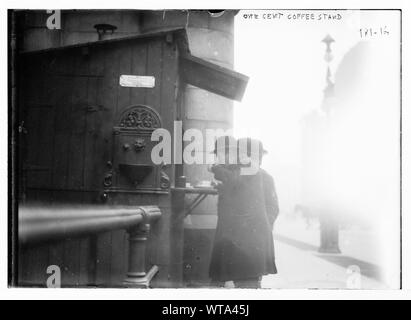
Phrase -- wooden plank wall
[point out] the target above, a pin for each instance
(70, 100)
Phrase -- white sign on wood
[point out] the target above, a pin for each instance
(137, 81)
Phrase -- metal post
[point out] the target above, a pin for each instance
(137, 276)
(328, 221)
(329, 234)
(177, 234)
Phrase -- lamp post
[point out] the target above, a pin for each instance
(328, 223)
(329, 89)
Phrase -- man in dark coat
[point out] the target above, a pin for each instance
(247, 207)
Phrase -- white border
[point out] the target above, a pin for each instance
(192, 294)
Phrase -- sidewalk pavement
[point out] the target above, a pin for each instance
(301, 266)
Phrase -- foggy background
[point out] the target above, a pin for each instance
(345, 163)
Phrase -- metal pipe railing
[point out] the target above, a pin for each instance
(52, 223)
(37, 224)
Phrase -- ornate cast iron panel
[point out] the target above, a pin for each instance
(133, 167)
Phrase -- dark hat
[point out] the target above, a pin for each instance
(225, 143)
(249, 142)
